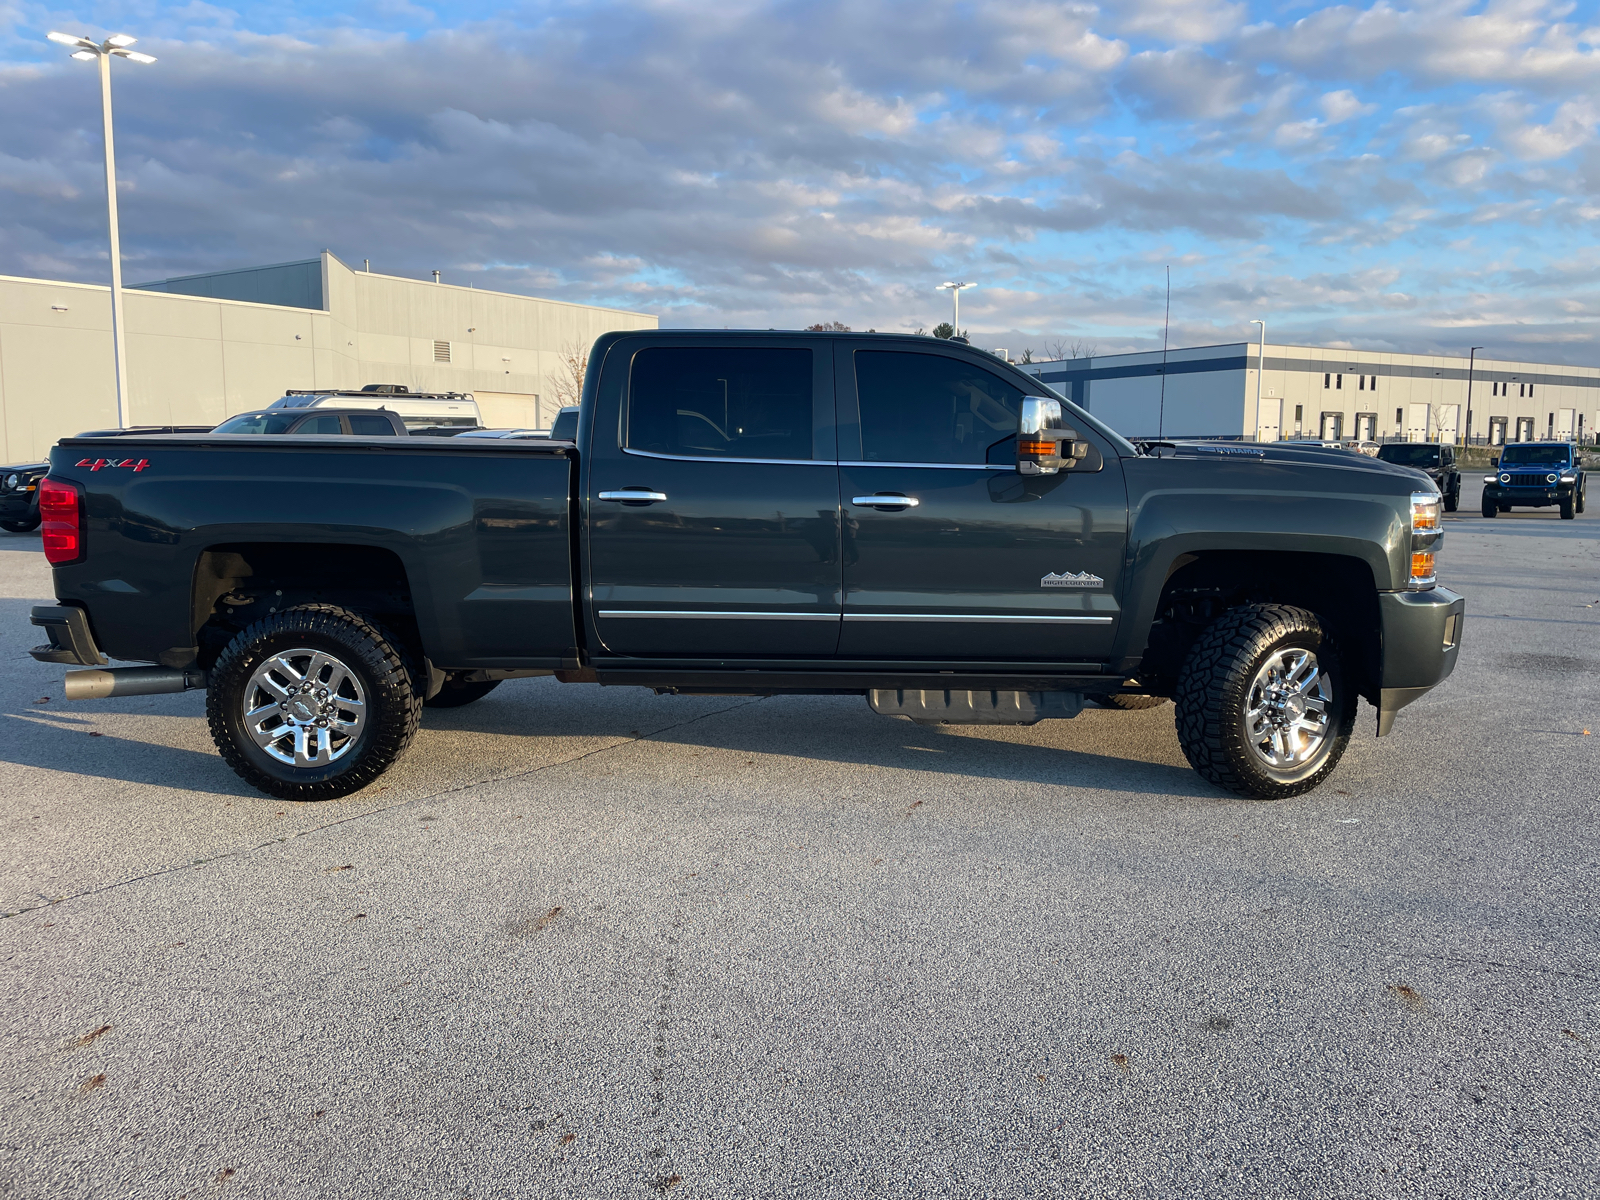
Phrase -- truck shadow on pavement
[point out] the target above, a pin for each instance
(1082, 753)
(64, 741)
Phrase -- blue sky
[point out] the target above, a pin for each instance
(1421, 177)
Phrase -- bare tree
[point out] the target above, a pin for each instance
(828, 327)
(567, 383)
(1027, 356)
(1059, 348)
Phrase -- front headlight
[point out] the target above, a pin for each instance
(1550, 478)
(1569, 479)
(1426, 535)
(1505, 479)
(12, 480)
(1490, 478)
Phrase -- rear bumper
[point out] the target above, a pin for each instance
(71, 640)
(1421, 641)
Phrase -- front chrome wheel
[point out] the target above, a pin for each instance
(1287, 715)
(304, 708)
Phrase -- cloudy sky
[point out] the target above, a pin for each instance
(1422, 176)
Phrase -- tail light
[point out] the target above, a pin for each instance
(1426, 534)
(61, 520)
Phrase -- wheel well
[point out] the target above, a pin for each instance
(1202, 586)
(235, 585)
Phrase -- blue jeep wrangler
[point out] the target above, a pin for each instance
(1536, 475)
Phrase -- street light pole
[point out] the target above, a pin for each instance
(85, 50)
(1472, 361)
(1261, 369)
(955, 294)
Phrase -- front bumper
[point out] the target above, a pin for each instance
(18, 506)
(1555, 493)
(1421, 640)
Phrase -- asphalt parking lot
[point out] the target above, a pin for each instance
(594, 942)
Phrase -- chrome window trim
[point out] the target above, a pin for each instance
(691, 615)
(686, 614)
(943, 466)
(760, 462)
(978, 617)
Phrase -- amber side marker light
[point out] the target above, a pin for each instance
(61, 521)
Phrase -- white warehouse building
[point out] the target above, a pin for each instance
(204, 347)
(1332, 394)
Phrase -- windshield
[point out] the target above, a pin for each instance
(1409, 455)
(1541, 455)
(259, 423)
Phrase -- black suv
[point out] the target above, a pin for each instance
(1536, 475)
(1436, 461)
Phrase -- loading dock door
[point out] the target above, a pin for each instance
(1449, 422)
(1332, 426)
(1366, 426)
(1269, 421)
(1564, 423)
(1417, 423)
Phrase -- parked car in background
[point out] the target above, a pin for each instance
(504, 433)
(328, 422)
(1370, 449)
(416, 409)
(563, 429)
(19, 484)
(1537, 475)
(1436, 461)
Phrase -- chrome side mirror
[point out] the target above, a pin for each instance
(1044, 443)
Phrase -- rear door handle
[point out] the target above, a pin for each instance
(635, 495)
(886, 501)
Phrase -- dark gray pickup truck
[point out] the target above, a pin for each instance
(893, 517)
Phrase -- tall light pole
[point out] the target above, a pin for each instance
(955, 294)
(84, 50)
(1261, 369)
(1472, 361)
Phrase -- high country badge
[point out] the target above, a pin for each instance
(1070, 579)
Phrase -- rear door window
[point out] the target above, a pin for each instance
(370, 426)
(721, 402)
(927, 408)
(321, 425)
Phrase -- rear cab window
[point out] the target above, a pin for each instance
(370, 426)
(721, 402)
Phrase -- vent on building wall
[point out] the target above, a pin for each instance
(441, 351)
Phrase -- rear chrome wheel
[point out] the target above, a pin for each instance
(312, 703)
(305, 708)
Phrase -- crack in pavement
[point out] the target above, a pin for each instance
(372, 812)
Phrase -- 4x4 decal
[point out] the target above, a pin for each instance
(94, 464)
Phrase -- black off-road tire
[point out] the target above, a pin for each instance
(1130, 702)
(1453, 500)
(455, 693)
(1213, 691)
(394, 706)
(26, 525)
(1583, 498)
(1568, 507)
(1490, 509)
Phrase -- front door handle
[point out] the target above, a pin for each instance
(634, 496)
(882, 501)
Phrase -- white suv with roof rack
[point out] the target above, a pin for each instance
(415, 409)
